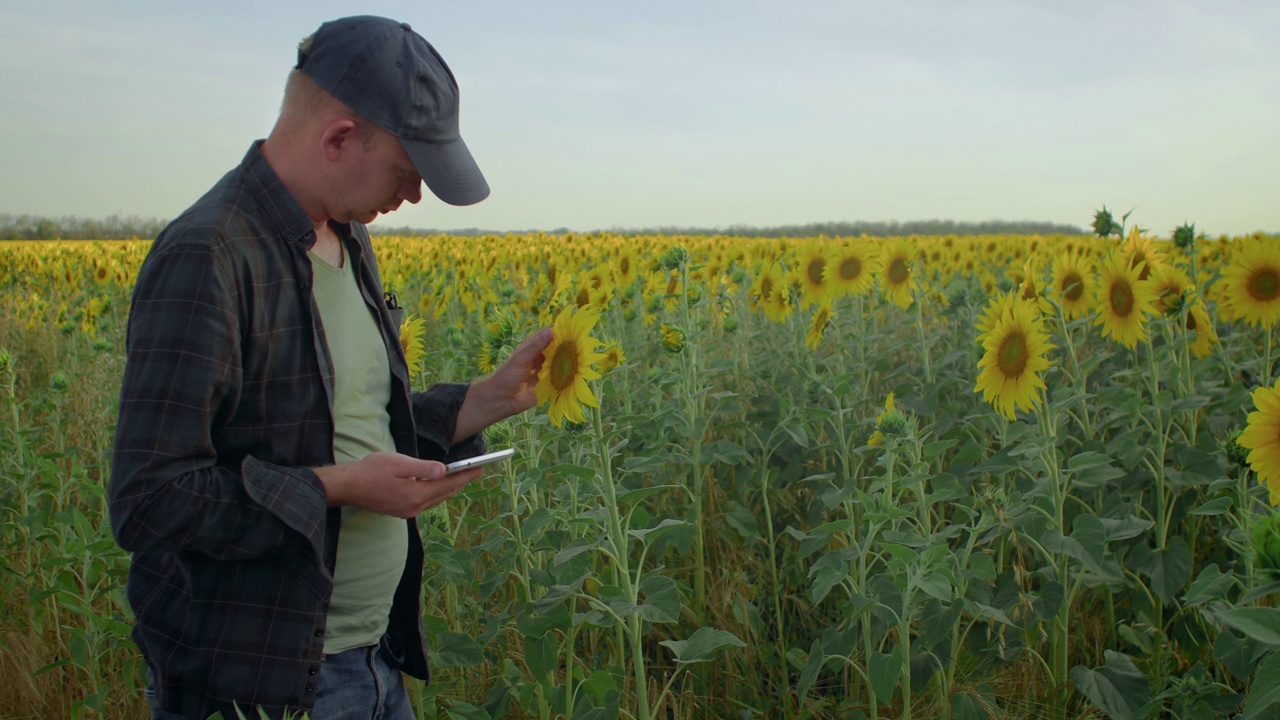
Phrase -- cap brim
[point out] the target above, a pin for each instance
(449, 170)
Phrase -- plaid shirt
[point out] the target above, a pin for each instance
(225, 404)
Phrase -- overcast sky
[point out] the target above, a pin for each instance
(594, 115)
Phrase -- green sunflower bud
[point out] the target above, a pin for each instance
(1234, 451)
(1266, 546)
(60, 381)
(673, 338)
(673, 257)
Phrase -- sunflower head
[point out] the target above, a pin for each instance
(673, 338)
(568, 363)
(1252, 283)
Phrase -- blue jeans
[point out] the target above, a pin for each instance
(359, 684)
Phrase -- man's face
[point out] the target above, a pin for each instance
(379, 177)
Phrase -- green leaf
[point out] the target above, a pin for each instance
(632, 497)
(743, 521)
(661, 602)
(1258, 623)
(1117, 688)
(702, 645)
(576, 548)
(1210, 584)
(1171, 569)
(884, 669)
(969, 705)
(648, 535)
(459, 710)
(1264, 691)
(1216, 506)
(1091, 470)
(538, 621)
(541, 655)
(456, 650)
(809, 675)
(935, 585)
(1129, 526)
(934, 449)
(826, 577)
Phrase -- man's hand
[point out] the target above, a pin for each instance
(392, 484)
(510, 390)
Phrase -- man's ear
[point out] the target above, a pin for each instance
(337, 138)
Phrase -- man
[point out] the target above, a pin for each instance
(270, 460)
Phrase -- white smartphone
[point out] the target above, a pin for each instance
(478, 460)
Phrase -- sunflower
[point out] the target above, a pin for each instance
(413, 341)
(996, 309)
(822, 318)
(890, 421)
(1144, 253)
(813, 274)
(1032, 288)
(850, 269)
(613, 357)
(896, 278)
(1252, 283)
(1015, 348)
(1073, 281)
(673, 338)
(1124, 301)
(1169, 284)
(624, 269)
(1199, 323)
(1262, 437)
(567, 364)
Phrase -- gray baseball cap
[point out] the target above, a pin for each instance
(392, 76)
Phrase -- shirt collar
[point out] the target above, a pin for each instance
(279, 208)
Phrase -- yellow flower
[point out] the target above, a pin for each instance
(1253, 283)
(567, 364)
(413, 342)
(850, 269)
(613, 357)
(896, 278)
(1145, 255)
(813, 274)
(1124, 301)
(1073, 281)
(1031, 289)
(1199, 322)
(673, 338)
(1169, 283)
(822, 317)
(1015, 348)
(1262, 437)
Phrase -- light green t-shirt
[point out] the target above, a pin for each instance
(372, 548)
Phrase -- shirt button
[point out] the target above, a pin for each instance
(319, 632)
(311, 672)
(309, 688)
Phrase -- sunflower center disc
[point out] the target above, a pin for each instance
(898, 271)
(1121, 299)
(1013, 355)
(850, 269)
(815, 271)
(564, 366)
(1264, 285)
(1075, 286)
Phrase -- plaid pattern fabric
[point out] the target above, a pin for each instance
(225, 403)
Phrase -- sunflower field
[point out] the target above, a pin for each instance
(920, 477)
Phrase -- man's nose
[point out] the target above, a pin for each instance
(410, 190)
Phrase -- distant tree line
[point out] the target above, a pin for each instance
(67, 227)
(116, 227)
(891, 228)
